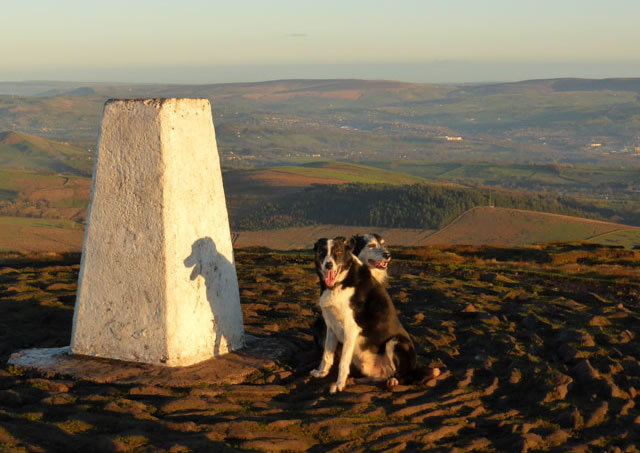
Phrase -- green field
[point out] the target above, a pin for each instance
(342, 172)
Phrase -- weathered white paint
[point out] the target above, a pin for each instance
(157, 280)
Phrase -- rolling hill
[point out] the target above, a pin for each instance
(515, 227)
(23, 151)
(280, 121)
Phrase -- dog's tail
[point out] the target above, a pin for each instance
(401, 351)
(422, 374)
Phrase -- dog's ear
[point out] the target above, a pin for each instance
(352, 242)
(342, 240)
(319, 243)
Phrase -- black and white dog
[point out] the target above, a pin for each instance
(359, 313)
(372, 251)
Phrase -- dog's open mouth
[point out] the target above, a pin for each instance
(330, 276)
(382, 264)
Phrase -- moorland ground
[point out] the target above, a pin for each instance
(539, 348)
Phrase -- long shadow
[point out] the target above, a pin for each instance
(222, 290)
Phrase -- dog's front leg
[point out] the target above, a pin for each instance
(351, 337)
(330, 345)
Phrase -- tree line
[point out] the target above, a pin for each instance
(420, 206)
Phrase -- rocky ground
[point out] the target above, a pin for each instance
(539, 348)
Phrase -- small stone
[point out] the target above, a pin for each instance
(588, 341)
(515, 377)
(598, 415)
(469, 309)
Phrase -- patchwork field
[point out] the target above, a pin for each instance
(538, 347)
(330, 173)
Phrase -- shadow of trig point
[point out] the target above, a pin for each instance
(157, 280)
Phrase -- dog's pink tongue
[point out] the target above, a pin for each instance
(330, 278)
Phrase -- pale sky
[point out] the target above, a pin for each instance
(198, 41)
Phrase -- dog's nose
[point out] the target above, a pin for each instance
(329, 265)
(386, 255)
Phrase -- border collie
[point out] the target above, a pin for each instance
(371, 250)
(359, 313)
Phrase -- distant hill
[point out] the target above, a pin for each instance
(515, 227)
(29, 152)
(629, 84)
(262, 123)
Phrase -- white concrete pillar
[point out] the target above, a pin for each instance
(157, 281)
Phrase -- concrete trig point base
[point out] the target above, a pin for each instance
(157, 280)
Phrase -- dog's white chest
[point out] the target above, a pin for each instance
(337, 312)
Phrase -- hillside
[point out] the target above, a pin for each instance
(538, 348)
(29, 152)
(514, 227)
(37, 208)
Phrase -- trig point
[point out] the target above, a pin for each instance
(157, 280)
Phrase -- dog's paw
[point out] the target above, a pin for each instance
(336, 387)
(318, 373)
(392, 382)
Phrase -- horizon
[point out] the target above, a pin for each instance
(440, 73)
(411, 41)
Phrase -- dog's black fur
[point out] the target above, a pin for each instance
(383, 349)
